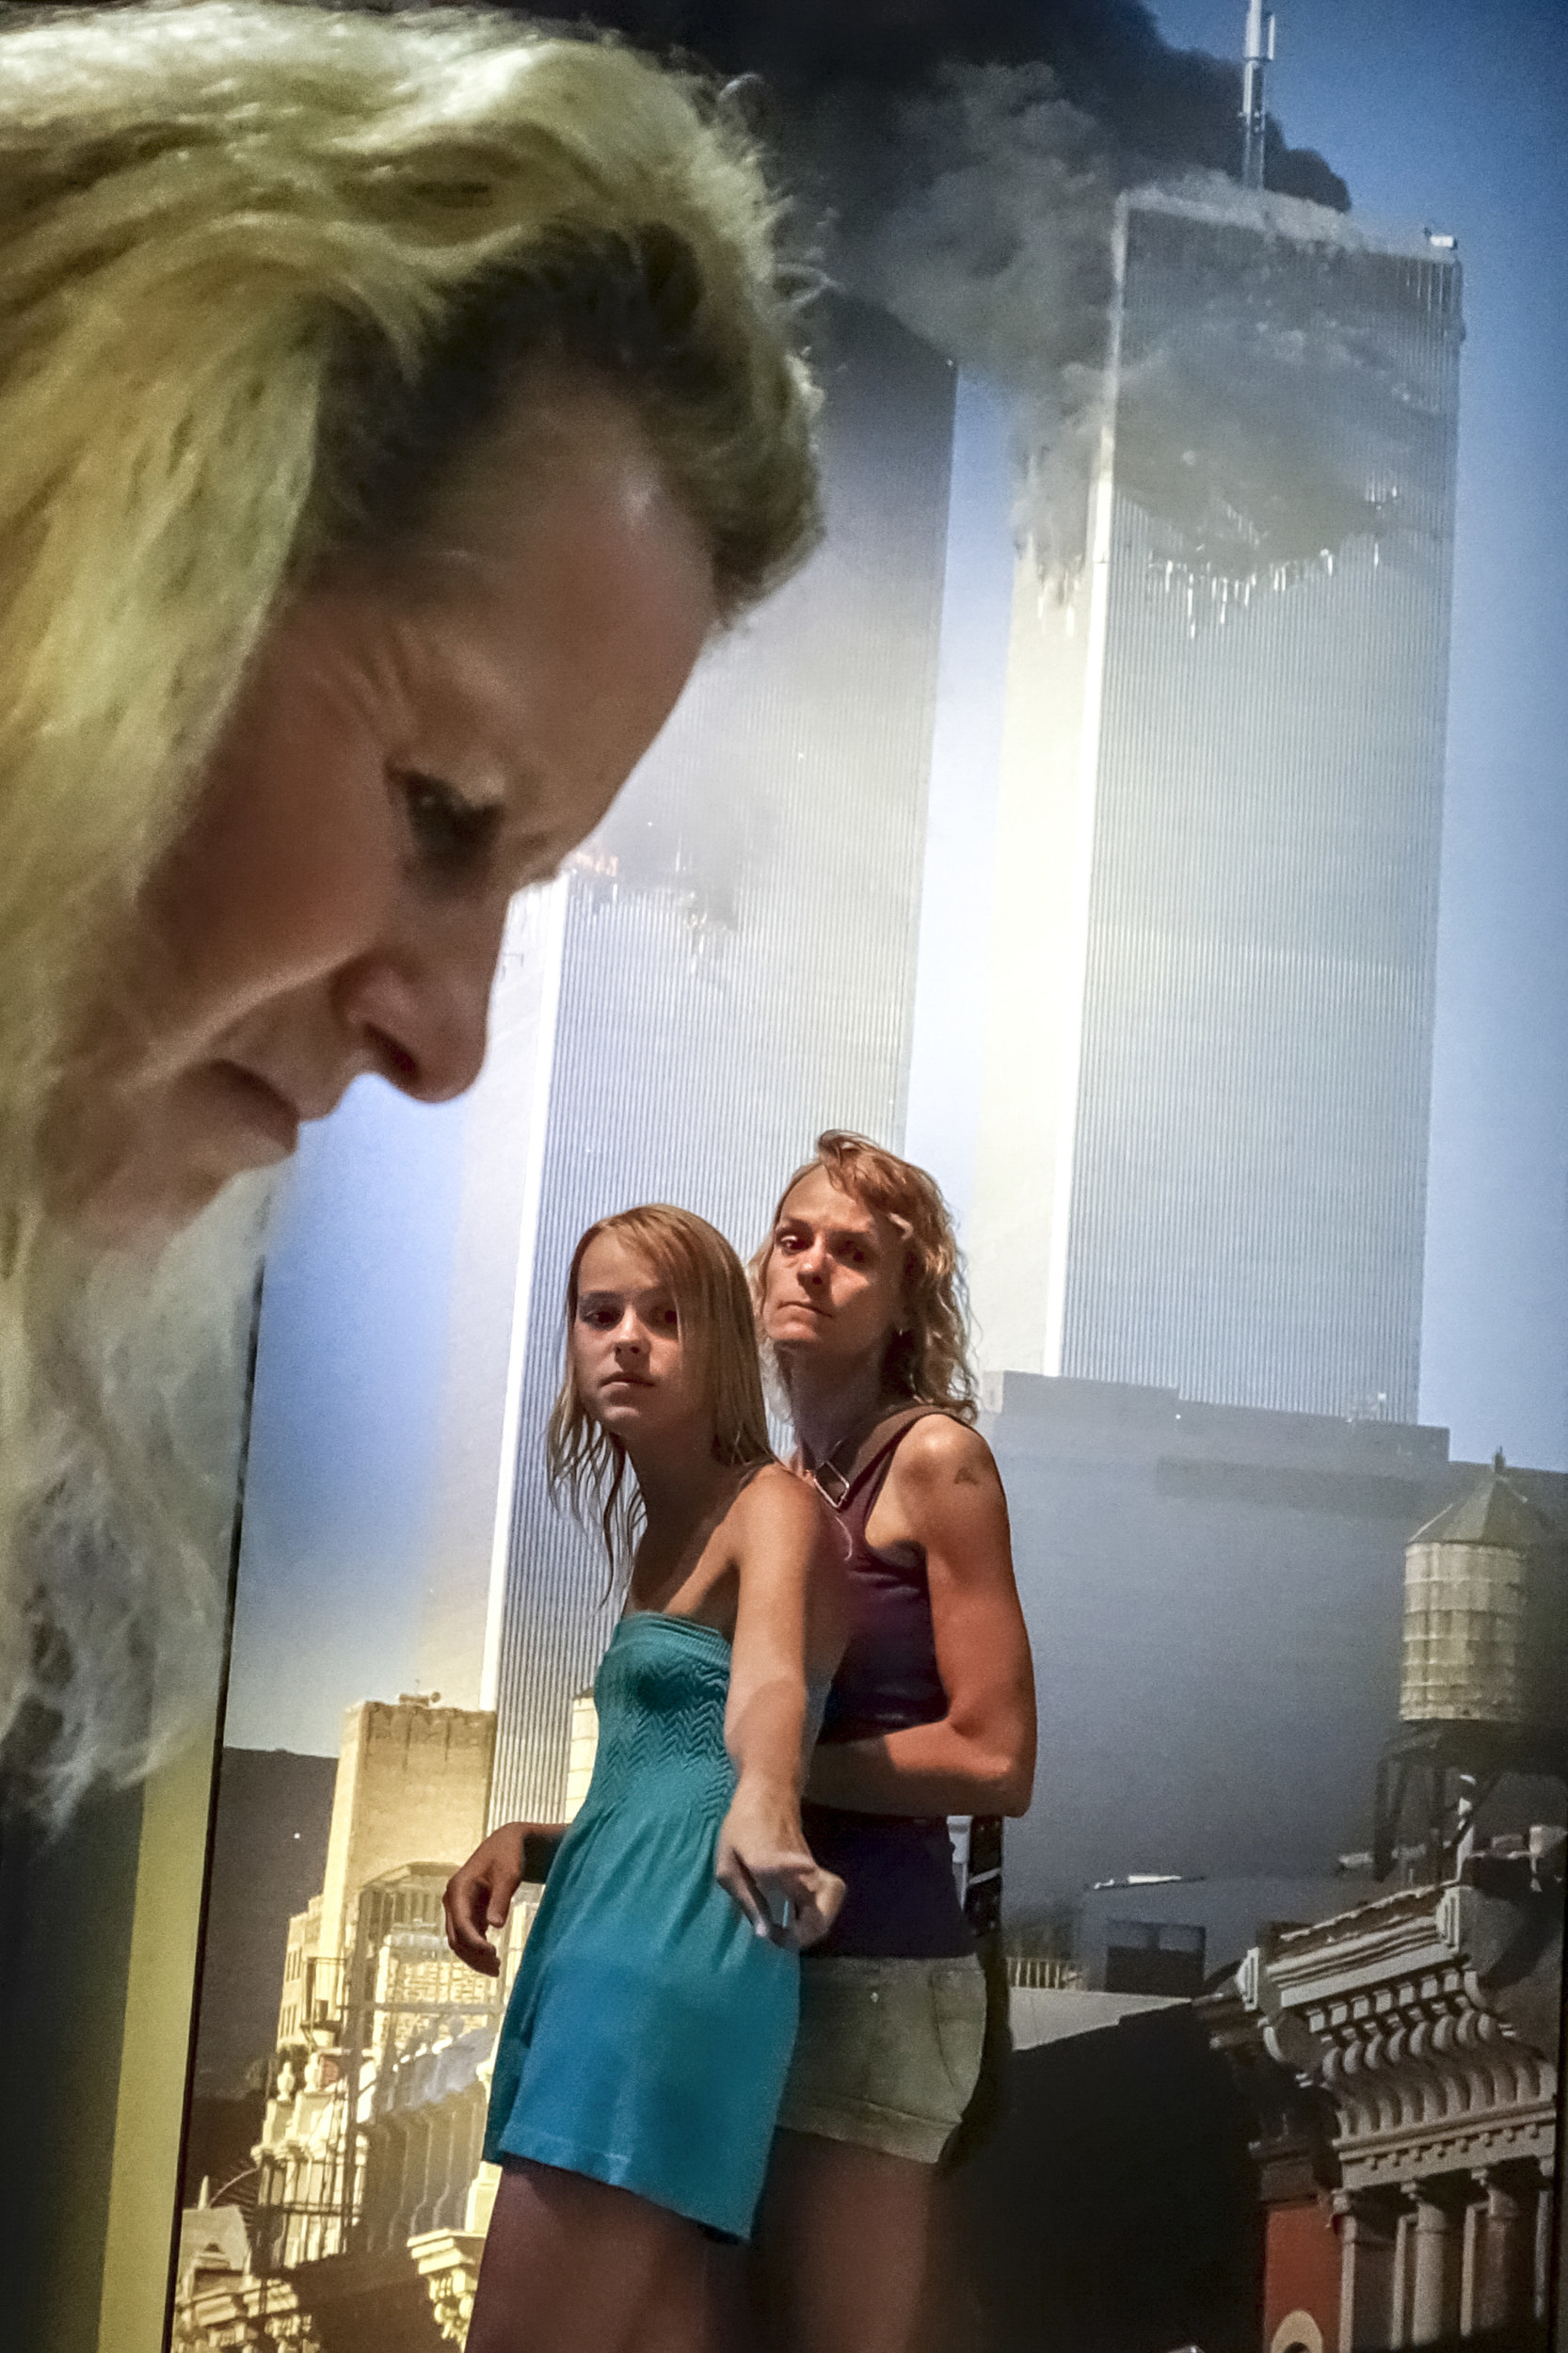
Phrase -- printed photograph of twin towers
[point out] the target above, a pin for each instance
(1110, 892)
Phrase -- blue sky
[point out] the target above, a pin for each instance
(1451, 113)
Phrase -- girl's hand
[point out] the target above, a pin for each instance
(479, 1895)
(763, 1861)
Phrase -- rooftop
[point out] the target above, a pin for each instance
(1492, 1512)
(1211, 196)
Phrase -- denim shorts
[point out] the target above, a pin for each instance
(887, 2054)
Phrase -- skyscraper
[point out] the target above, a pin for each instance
(733, 958)
(1202, 1158)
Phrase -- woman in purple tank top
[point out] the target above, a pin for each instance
(860, 1301)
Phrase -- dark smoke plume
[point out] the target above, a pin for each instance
(1161, 109)
(958, 161)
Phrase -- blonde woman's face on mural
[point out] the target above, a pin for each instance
(833, 1286)
(403, 759)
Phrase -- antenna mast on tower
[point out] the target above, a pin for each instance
(1257, 54)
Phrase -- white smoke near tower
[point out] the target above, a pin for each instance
(980, 210)
(958, 162)
(981, 216)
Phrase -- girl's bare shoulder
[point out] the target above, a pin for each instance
(777, 1502)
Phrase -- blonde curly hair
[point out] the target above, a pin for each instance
(268, 271)
(928, 1355)
(585, 1464)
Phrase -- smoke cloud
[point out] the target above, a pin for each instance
(958, 161)
(977, 206)
(1157, 108)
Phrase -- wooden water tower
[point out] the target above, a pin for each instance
(1484, 1685)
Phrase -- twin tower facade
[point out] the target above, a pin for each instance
(1138, 897)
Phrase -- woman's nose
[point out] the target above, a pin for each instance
(420, 1011)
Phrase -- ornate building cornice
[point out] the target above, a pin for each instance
(1393, 2014)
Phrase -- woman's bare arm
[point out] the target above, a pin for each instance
(944, 1493)
(479, 1895)
(789, 1625)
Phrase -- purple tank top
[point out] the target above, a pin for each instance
(902, 1899)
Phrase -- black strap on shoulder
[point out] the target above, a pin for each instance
(882, 1460)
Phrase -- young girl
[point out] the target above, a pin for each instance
(650, 2031)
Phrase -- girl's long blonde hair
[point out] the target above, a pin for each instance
(266, 271)
(585, 1464)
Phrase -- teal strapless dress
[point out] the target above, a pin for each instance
(649, 2029)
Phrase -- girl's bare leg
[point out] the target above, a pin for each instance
(571, 2265)
(843, 2254)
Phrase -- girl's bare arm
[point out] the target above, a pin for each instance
(789, 1624)
(479, 1895)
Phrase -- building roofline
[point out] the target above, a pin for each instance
(1211, 196)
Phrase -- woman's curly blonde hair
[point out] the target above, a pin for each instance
(928, 1355)
(267, 271)
(585, 1464)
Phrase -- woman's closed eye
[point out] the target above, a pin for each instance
(453, 838)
